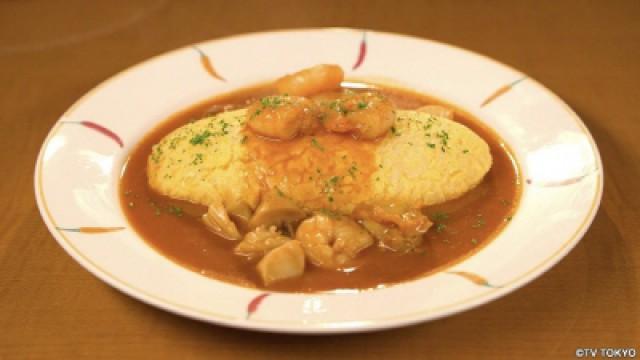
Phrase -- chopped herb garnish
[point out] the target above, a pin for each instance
(479, 222)
(157, 153)
(440, 216)
(431, 145)
(279, 192)
(465, 151)
(440, 227)
(273, 101)
(508, 218)
(352, 170)
(174, 210)
(330, 213)
(198, 159)
(315, 143)
(156, 208)
(224, 126)
(362, 105)
(329, 187)
(444, 140)
(200, 138)
(474, 241)
(336, 105)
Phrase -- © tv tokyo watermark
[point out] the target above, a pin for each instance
(609, 353)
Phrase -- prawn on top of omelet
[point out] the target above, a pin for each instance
(314, 173)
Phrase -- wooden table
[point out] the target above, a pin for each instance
(53, 52)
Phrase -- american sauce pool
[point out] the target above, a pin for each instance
(461, 226)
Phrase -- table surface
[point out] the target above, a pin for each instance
(51, 53)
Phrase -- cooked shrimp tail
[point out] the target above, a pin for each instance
(310, 81)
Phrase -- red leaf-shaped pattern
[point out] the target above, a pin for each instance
(362, 53)
(254, 304)
(99, 128)
(103, 130)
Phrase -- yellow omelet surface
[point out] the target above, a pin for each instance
(424, 160)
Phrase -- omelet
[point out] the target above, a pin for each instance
(424, 160)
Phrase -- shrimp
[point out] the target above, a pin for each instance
(393, 226)
(437, 110)
(331, 243)
(259, 242)
(392, 238)
(310, 81)
(408, 221)
(364, 115)
(284, 262)
(283, 117)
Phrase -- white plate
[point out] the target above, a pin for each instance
(78, 169)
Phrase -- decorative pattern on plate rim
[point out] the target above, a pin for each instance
(99, 128)
(207, 65)
(473, 277)
(362, 52)
(254, 304)
(91, 229)
(501, 91)
(563, 182)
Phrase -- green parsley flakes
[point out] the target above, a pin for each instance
(316, 144)
(200, 138)
(175, 210)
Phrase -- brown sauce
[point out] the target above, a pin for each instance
(462, 226)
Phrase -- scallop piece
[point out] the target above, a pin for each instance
(259, 242)
(283, 262)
